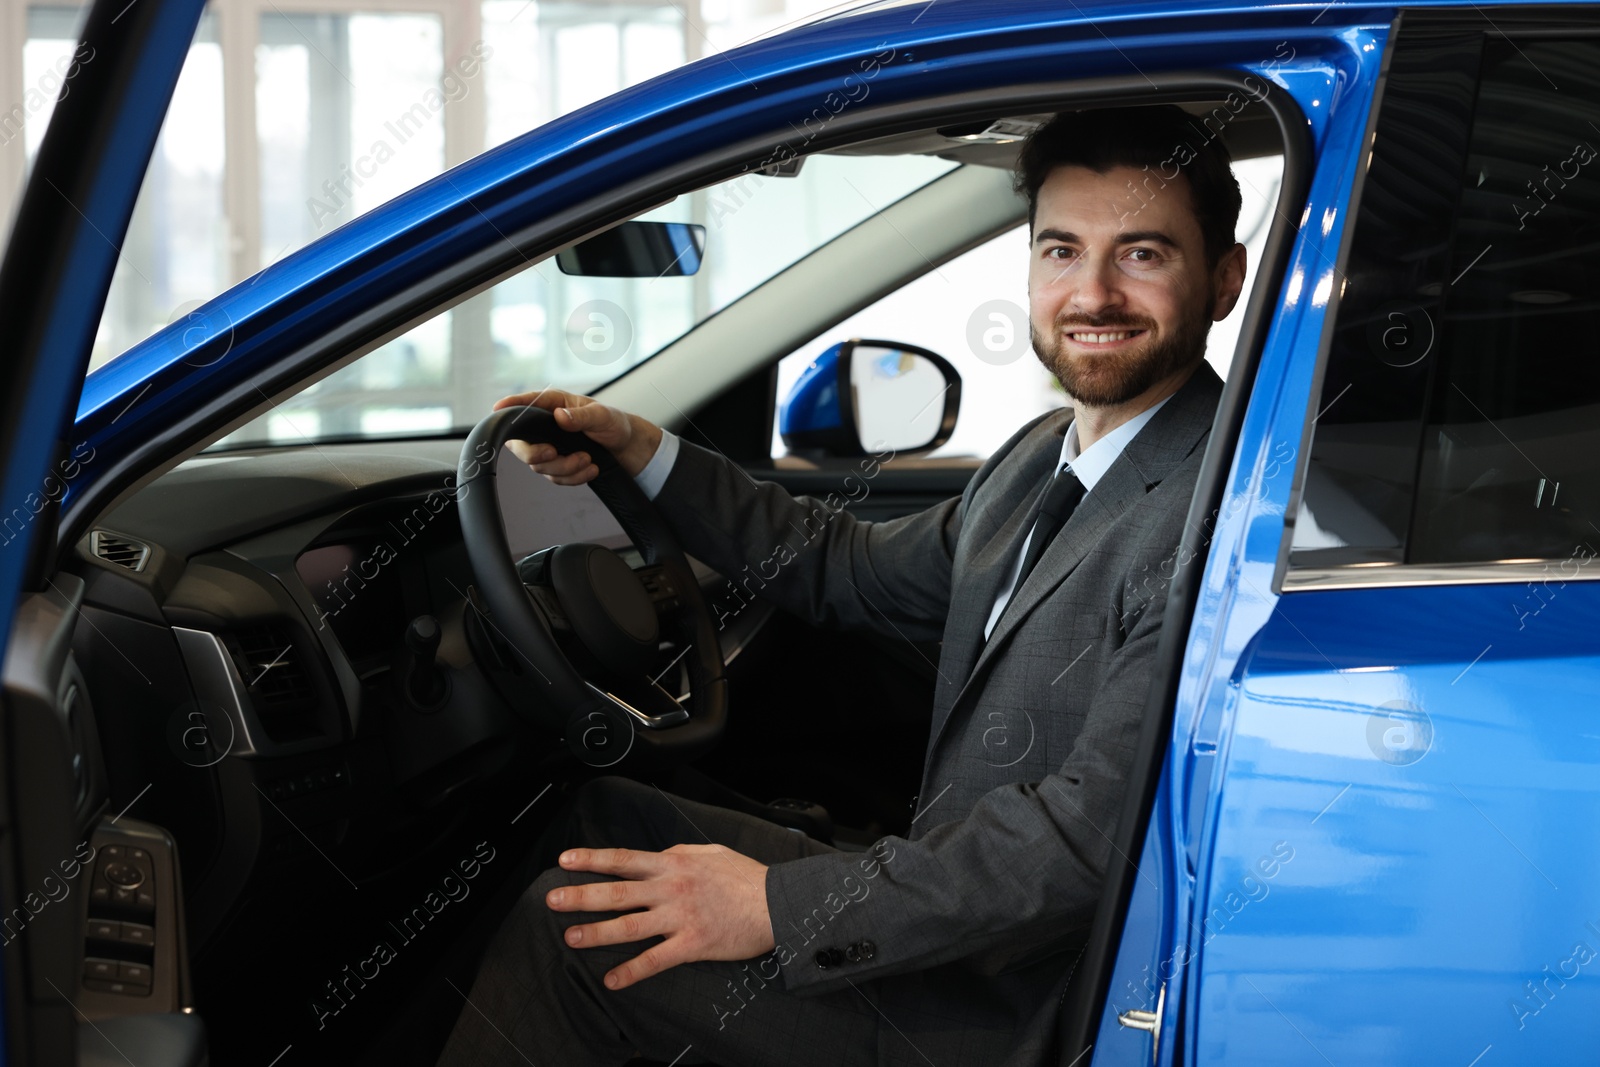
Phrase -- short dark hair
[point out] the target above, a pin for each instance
(1161, 139)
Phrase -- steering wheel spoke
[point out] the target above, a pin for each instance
(646, 702)
(548, 605)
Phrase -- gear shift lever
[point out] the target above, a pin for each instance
(425, 684)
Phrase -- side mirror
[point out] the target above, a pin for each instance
(637, 250)
(863, 397)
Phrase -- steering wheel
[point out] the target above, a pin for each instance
(614, 615)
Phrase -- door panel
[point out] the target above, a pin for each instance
(1418, 774)
(53, 283)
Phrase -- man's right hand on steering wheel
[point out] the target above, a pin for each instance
(631, 438)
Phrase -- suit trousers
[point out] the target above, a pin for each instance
(538, 1000)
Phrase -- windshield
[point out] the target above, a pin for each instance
(542, 328)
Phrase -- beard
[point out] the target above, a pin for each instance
(1112, 378)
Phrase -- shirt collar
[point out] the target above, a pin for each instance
(1091, 464)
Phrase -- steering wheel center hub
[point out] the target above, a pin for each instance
(607, 606)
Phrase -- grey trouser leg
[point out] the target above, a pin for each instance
(536, 1000)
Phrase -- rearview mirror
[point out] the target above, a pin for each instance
(861, 397)
(637, 250)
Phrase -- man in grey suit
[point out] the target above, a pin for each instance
(688, 933)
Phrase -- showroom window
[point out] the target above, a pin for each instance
(175, 254)
(291, 117)
(350, 113)
(1459, 419)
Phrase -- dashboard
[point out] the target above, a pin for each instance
(358, 587)
(266, 596)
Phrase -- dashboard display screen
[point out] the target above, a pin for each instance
(356, 588)
(359, 586)
(539, 513)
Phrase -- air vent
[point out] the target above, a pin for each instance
(122, 551)
(269, 665)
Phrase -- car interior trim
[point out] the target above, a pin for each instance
(217, 683)
(650, 722)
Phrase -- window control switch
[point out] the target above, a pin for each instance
(136, 934)
(94, 967)
(128, 989)
(133, 973)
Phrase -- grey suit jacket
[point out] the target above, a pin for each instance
(966, 919)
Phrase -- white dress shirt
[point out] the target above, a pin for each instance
(1090, 466)
(654, 475)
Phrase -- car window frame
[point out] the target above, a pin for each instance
(1288, 577)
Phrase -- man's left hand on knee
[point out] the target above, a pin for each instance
(708, 902)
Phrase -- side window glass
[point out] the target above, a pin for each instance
(1459, 420)
(973, 311)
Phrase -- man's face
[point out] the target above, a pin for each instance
(1119, 290)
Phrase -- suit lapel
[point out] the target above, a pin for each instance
(992, 566)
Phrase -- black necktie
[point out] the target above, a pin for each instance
(1060, 497)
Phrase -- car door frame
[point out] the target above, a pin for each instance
(204, 380)
(1246, 624)
(1244, 471)
(54, 278)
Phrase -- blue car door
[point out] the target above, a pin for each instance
(1374, 840)
(53, 282)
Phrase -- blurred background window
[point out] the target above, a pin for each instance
(292, 117)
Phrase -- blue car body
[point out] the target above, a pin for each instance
(1295, 899)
